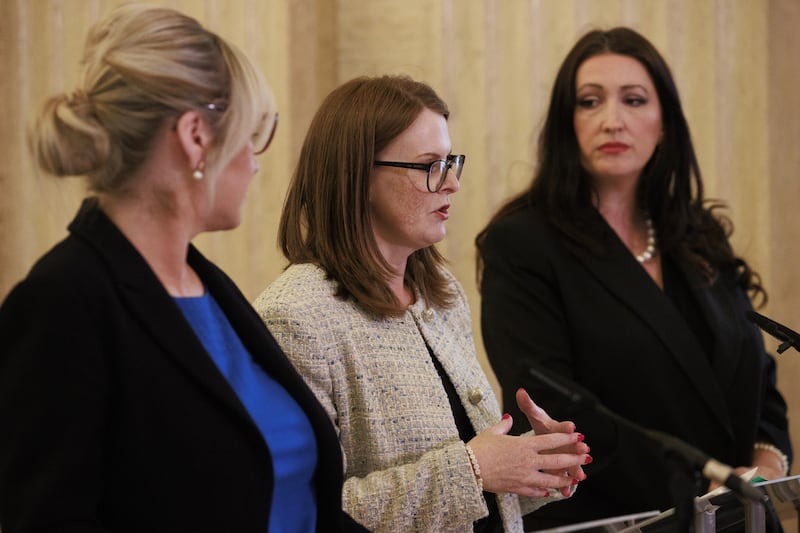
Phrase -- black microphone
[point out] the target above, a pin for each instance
(787, 337)
(710, 467)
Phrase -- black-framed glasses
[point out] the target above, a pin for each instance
(262, 138)
(437, 170)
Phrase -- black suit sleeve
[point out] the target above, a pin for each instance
(773, 427)
(52, 411)
(773, 424)
(522, 321)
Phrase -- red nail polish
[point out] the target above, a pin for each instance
(580, 437)
(588, 460)
(506, 416)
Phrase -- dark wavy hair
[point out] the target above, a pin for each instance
(670, 189)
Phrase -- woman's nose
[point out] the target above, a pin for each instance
(612, 117)
(451, 182)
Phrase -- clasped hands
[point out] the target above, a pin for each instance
(531, 465)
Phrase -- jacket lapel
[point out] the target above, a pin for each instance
(627, 281)
(717, 306)
(259, 342)
(265, 350)
(151, 306)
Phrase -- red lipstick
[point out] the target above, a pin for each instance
(613, 147)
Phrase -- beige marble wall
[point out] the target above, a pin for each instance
(735, 61)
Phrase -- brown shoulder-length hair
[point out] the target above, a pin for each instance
(670, 189)
(326, 217)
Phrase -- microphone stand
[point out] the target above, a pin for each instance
(674, 448)
(788, 338)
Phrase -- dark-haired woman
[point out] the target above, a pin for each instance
(614, 272)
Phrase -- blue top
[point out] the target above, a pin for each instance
(280, 419)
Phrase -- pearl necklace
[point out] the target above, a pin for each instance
(650, 251)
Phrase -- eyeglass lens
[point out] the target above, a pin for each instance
(437, 174)
(263, 138)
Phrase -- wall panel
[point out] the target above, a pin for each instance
(735, 62)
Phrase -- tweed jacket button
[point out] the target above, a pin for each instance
(427, 315)
(475, 396)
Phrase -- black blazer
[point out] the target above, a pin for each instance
(113, 416)
(601, 321)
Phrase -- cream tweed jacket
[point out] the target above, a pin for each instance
(405, 467)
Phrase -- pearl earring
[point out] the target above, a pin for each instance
(198, 172)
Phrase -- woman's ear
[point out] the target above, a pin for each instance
(194, 137)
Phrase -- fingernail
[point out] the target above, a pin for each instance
(588, 460)
(580, 437)
(506, 416)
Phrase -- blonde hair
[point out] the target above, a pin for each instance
(141, 66)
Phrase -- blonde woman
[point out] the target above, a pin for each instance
(139, 391)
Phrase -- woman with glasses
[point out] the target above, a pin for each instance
(614, 272)
(381, 330)
(139, 390)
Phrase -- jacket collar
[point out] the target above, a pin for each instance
(154, 309)
(150, 304)
(627, 281)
